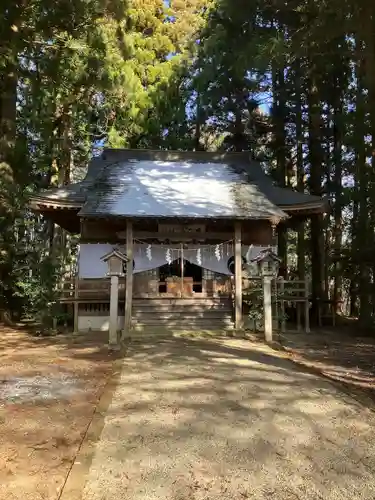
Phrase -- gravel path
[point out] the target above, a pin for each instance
(229, 420)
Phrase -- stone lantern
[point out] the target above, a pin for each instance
(115, 260)
(268, 263)
(268, 266)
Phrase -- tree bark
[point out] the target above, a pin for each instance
(362, 237)
(337, 183)
(199, 119)
(300, 171)
(279, 117)
(368, 33)
(353, 288)
(315, 184)
(8, 110)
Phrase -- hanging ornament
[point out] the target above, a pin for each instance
(248, 254)
(168, 256)
(199, 257)
(217, 252)
(148, 252)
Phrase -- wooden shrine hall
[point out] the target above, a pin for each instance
(184, 225)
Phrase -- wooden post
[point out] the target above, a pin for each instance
(276, 292)
(298, 311)
(75, 303)
(129, 280)
(267, 306)
(307, 307)
(237, 276)
(113, 313)
(182, 270)
(282, 305)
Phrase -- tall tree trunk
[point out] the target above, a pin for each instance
(279, 117)
(199, 118)
(65, 168)
(300, 171)
(337, 184)
(239, 141)
(315, 184)
(326, 139)
(66, 146)
(368, 33)
(361, 248)
(353, 288)
(53, 172)
(8, 102)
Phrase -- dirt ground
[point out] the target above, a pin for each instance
(228, 419)
(301, 437)
(338, 354)
(49, 388)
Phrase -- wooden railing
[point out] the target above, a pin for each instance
(89, 290)
(286, 295)
(295, 293)
(94, 290)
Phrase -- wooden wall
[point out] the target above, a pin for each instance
(105, 231)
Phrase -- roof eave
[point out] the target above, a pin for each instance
(269, 217)
(40, 203)
(320, 207)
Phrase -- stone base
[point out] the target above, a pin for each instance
(97, 323)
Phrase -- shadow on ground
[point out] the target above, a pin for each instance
(196, 419)
(49, 389)
(338, 354)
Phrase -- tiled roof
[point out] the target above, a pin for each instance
(178, 184)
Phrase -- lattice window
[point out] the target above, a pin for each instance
(208, 275)
(151, 273)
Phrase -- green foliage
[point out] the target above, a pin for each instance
(189, 74)
(38, 290)
(254, 302)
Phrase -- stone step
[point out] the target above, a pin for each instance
(148, 331)
(191, 324)
(189, 302)
(181, 310)
(186, 315)
(177, 327)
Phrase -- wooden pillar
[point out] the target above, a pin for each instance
(237, 277)
(282, 306)
(298, 311)
(129, 280)
(113, 313)
(182, 270)
(267, 306)
(307, 307)
(76, 304)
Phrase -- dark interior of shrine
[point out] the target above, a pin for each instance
(189, 270)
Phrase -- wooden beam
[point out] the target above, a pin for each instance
(143, 235)
(307, 306)
(129, 280)
(75, 304)
(267, 308)
(113, 314)
(182, 270)
(237, 277)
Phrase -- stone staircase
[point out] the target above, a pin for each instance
(182, 313)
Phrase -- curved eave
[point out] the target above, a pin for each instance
(275, 219)
(319, 207)
(41, 204)
(64, 214)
